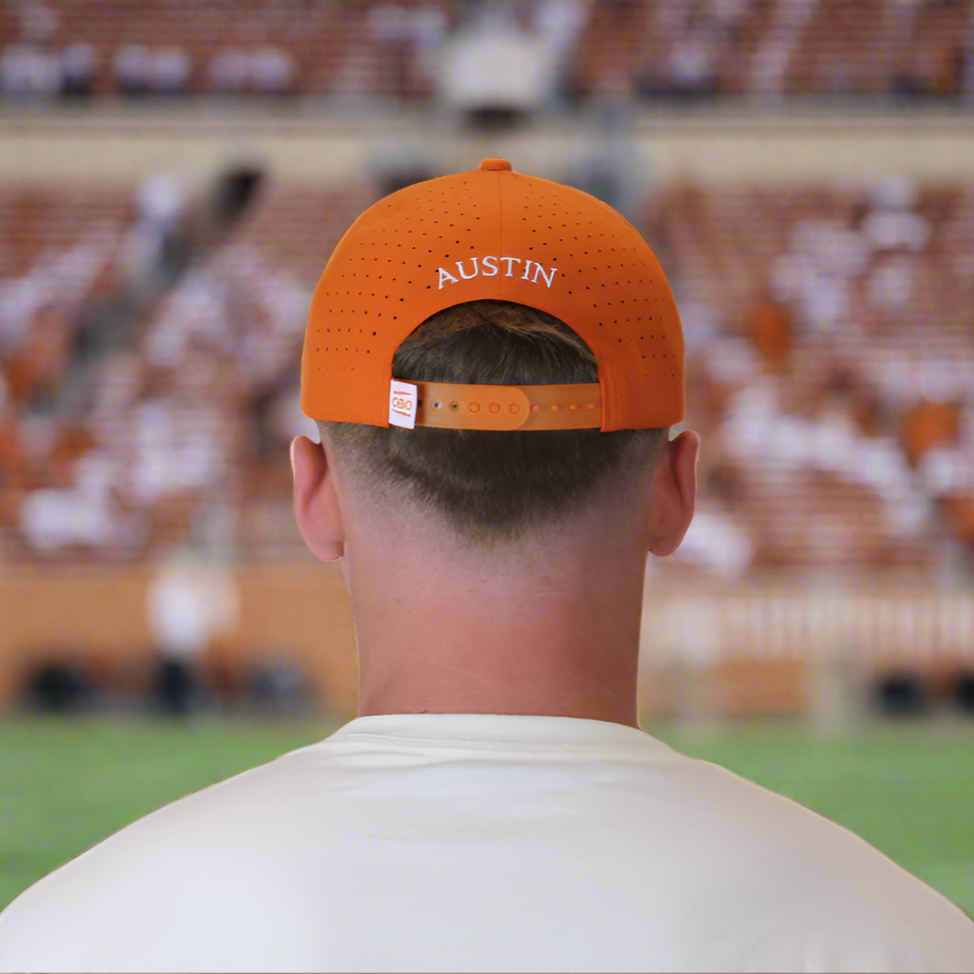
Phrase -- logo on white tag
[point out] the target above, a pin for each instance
(402, 404)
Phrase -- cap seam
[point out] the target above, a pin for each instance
(500, 228)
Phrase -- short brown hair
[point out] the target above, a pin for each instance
(492, 486)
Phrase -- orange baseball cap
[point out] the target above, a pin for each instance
(493, 234)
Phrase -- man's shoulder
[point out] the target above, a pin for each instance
(808, 875)
(200, 866)
(178, 906)
(242, 813)
(785, 836)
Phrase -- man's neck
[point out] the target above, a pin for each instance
(451, 634)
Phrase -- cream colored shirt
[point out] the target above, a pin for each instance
(484, 843)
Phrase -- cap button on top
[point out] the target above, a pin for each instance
(495, 164)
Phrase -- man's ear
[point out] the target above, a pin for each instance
(316, 505)
(673, 493)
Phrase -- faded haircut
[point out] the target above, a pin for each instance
(491, 486)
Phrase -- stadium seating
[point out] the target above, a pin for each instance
(360, 48)
(830, 361)
(325, 46)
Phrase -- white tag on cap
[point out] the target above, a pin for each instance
(402, 404)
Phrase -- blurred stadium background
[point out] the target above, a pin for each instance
(173, 175)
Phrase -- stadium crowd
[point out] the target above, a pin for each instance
(830, 372)
(429, 51)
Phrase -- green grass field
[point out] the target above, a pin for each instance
(64, 785)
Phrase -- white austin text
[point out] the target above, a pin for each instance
(488, 267)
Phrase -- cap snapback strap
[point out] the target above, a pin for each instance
(452, 405)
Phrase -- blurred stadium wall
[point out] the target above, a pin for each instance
(173, 176)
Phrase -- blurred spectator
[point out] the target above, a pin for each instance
(133, 66)
(78, 509)
(229, 71)
(901, 694)
(265, 70)
(933, 67)
(278, 686)
(717, 543)
(892, 223)
(916, 80)
(78, 64)
(15, 69)
(272, 70)
(927, 425)
(148, 248)
(14, 473)
(692, 68)
(769, 327)
(58, 687)
(428, 31)
(814, 276)
(388, 24)
(963, 692)
(55, 519)
(889, 285)
(558, 24)
(946, 471)
(177, 450)
(774, 54)
(728, 14)
(169, 73)
(967, 65)
(958, 513)
(407, 40)
(689, 71)
(36, 366)
(493, 72)
(190, 605)
(26, 71)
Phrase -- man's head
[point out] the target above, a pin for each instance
(499, 355)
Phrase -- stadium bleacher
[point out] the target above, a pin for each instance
(831, 369)
(678, 49)
(831, 353)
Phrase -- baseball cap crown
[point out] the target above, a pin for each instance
(493, 233)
